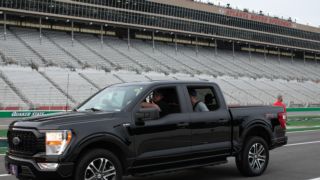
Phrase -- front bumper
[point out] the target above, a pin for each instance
(28, 168)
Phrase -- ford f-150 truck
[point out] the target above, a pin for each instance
(145, 128)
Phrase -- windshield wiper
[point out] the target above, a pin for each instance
(93, 109)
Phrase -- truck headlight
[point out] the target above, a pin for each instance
(57, 141)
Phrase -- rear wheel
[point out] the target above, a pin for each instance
(99, 164)
(254, 158)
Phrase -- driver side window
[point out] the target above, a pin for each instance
(164, 99)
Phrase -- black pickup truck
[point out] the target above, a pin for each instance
(145, 128)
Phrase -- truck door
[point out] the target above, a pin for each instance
(166, 137)
(210, 121)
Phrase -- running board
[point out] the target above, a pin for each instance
(157, 169)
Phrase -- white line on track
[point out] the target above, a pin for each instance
(304, 131)
(4, 175)
(315, 179)
(297, 144)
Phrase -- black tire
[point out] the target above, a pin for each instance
(93, 157)
(257, 163)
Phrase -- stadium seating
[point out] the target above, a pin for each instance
(34, 86)
(76, 50)
(127, 76)
(100, 78)
(154, 76)
(70, 83)
(75, 69)
(15, 51)
(46, 48)
(9, 99)
(119, 59)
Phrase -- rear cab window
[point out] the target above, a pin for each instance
(202, 98)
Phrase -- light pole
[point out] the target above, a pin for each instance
(50, 103)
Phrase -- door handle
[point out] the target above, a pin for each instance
(182, 125)
(223, 120)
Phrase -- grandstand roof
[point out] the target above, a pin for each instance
(237, 13)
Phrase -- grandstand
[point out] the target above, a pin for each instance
(54, 59)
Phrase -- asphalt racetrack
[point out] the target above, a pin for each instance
(299, 160)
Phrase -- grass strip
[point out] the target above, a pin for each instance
(3, 133)
(3, 150)
(302, 129)
(304, 123)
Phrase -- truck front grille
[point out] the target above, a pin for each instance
(25, 142)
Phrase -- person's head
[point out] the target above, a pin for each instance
(157, 96)
(208, 99)
(193, 95)
(279, 98)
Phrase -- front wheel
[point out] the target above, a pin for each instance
(254, 158)
(98, 164)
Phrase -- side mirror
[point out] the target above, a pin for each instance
(146, 114)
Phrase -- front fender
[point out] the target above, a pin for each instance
(101, 138)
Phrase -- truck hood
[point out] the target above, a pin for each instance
(55, 121)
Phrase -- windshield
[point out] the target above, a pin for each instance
(113, 98)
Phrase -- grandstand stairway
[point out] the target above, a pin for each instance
(64, 50)
(101, 78)
(15, 52)
(219, 65)
(45, 48)
(88, 80)
(16, 90)
(267, 94)
(212, 71)
(257, 99)
(128, 57)
(196, 56)
(173, 55)
(175, 66)
(169, 69)
(122, 80)
(29, 47)
(58, 87)
(113, 65)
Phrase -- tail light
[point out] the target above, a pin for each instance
(282, 117)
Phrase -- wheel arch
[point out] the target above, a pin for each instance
(104, 141)
(260, 129)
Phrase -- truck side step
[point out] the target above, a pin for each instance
(156, 169)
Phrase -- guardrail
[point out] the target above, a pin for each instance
(23, 114)
(309, 109)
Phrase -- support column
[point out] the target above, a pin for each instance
(72, 33)
(5, 25)
(197, 48)
(304, 58)
(265, 54)
(279, 55)
(291, 56)
(250, 52)
(153, 45)
(40, 30)
(129, 44)
(175, 42)
(215, 47)
(233, 54)
(101, 34)
(315, 58)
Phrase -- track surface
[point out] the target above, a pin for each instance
(295, 162)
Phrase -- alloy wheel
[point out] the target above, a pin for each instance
(100, 169)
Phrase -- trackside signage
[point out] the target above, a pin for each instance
(21, 114)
